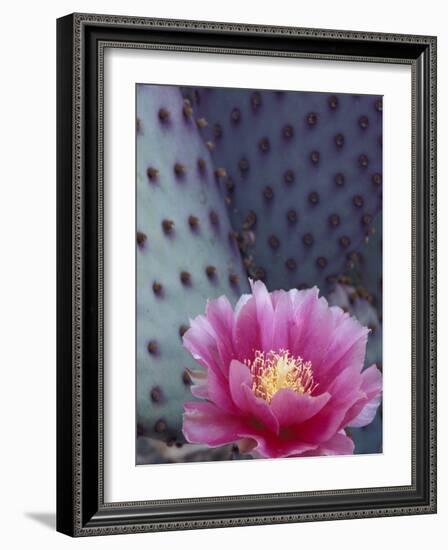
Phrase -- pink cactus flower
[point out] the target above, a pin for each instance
(283, 375)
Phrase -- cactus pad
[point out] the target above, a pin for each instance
(303, 177)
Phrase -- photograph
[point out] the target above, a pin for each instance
(258, 273)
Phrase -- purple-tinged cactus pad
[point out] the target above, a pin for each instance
(303, 177)
(367, 264)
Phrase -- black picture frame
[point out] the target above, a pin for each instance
(81, 510)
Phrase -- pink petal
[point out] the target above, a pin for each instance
(265, 444)
(355, 409)
(282, 322)
(372, 381)
(268, 448)
(372, 386)
(242, 301)
(212, 386)
(367, 414)
(345, 392)
(302, 304)
(197, 376)
(347, 350)
(200, 391)
(199, 341)
(318, 335)
(277, 294)
(205, 423)
(246, 335)
(265, 314)
(338, 314)
(219, 393)
(219, 314)
(339, 444)
(246, 445)
(291, 408)
(199, 379)
(241, 390)
(260, 410)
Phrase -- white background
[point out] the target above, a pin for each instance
(27, 234)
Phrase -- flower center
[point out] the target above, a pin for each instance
(274, 371)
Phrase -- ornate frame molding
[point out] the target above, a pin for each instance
(81, 42)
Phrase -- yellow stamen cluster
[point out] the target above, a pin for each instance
(274, 371)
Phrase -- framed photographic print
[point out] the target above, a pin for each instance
(246, 274)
